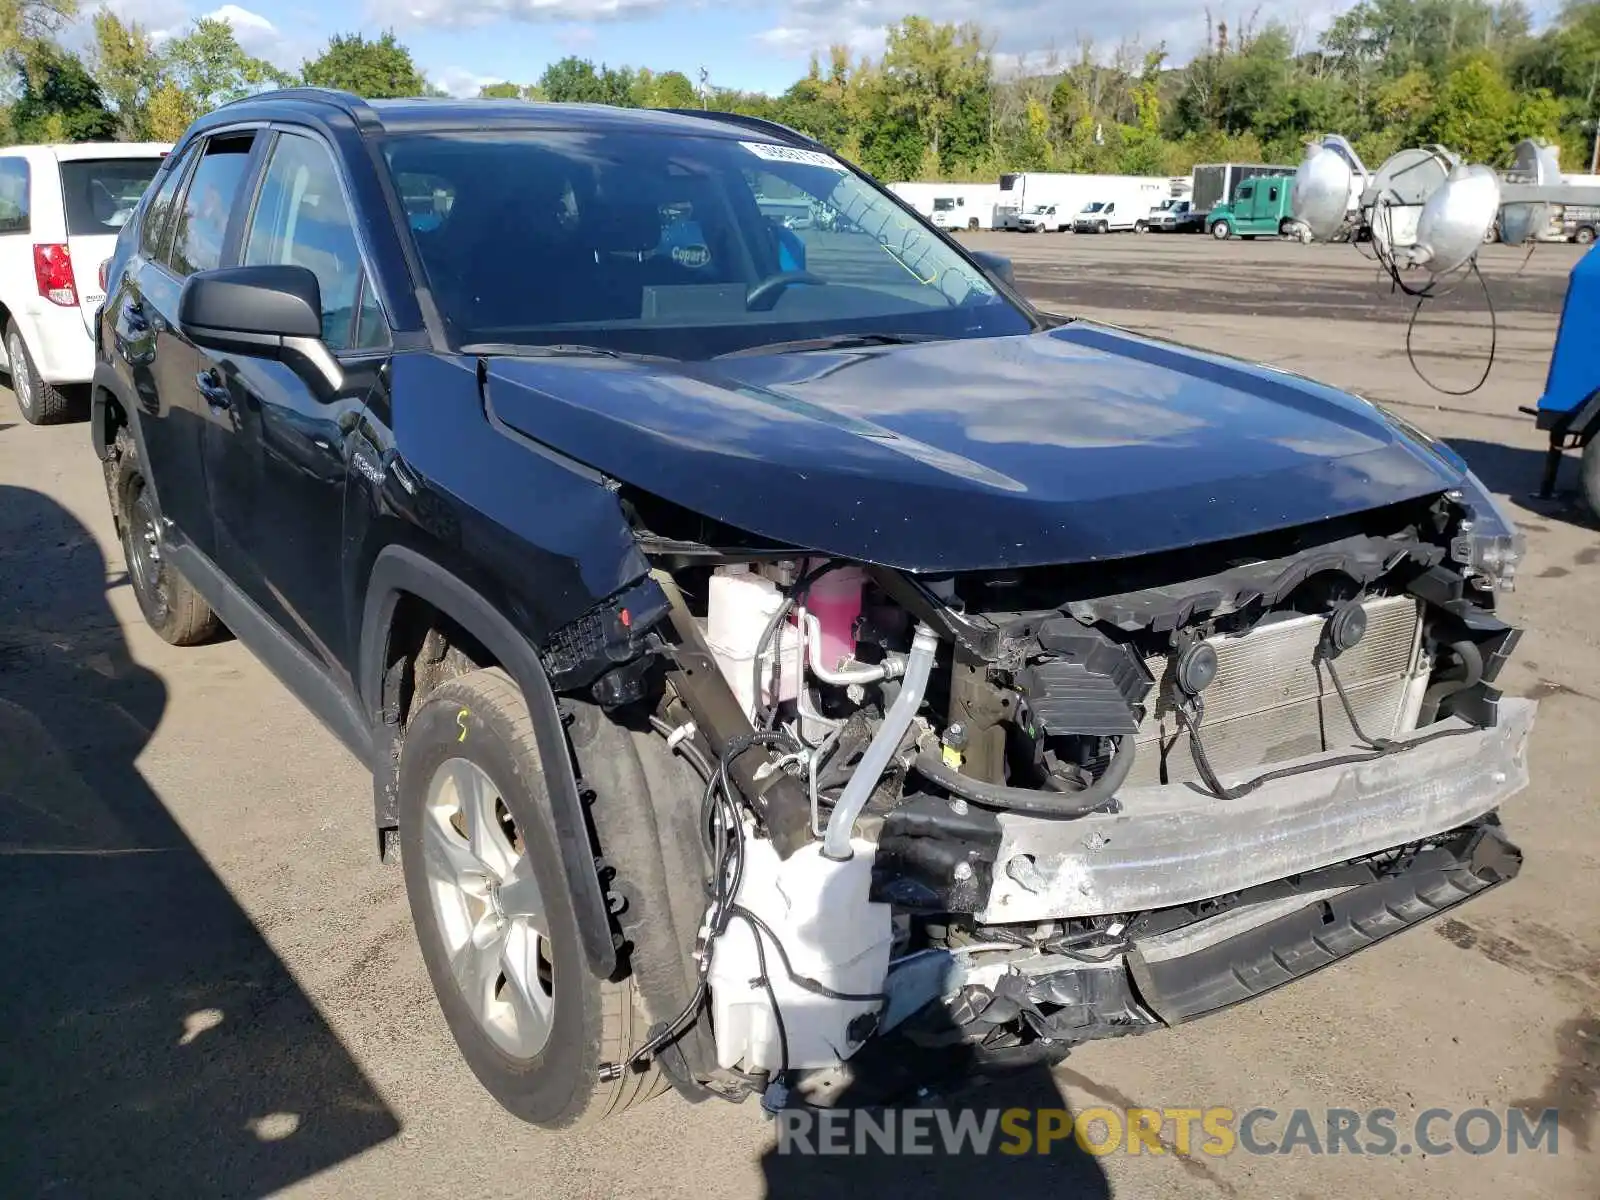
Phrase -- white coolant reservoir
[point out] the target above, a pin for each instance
(832, 934)
(741, 604)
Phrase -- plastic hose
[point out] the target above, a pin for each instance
(1030, 800)
(836, 841)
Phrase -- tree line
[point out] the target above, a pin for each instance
(939, 102)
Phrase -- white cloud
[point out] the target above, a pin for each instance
(1028, 33)
(459, 81)
(164, 19)
(445, 13)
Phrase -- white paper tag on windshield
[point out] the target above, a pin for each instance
(775, 153)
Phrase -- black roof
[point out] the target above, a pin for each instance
(427, 114)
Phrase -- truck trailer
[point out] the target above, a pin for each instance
(952, 205)
(1218, 183)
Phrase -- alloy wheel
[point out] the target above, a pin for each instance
(488, 908)
(21, 380)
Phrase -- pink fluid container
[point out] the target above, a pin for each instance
(835, 600)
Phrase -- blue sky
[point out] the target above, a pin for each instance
(755, 44)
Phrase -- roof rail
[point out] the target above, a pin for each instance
(758, 124)
(346, 100)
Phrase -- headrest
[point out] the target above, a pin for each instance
(629, 227)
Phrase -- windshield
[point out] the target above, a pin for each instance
(1095, 207)
(943, 205)
(666, 244)
(101, 194)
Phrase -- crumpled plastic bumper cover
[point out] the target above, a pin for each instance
(1178, 844)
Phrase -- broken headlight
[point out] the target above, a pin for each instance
(1486, 541)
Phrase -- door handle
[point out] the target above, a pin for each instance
(214, 388)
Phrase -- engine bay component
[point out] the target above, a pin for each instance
(804, 934)
(1084, 683)
(1001, 800)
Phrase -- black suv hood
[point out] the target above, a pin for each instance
(1081, 443)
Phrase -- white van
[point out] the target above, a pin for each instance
(61, 208)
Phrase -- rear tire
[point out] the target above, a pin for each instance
(477, 728)
(169, 602)
(41, 403)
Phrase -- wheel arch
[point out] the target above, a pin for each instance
(399, 572)
(108, 410)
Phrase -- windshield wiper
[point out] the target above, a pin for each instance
(837, 341)
(557, 350)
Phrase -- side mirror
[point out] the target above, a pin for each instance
(997, 265)
(267, 311)
(250, 309)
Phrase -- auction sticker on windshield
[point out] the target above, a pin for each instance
(811, 158)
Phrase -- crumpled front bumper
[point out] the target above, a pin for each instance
(1178, 844)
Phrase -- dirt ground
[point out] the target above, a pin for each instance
(210, 986)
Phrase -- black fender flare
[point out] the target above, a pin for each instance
(400, 569)
(104, 383)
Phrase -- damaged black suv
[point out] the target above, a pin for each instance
(770, 637)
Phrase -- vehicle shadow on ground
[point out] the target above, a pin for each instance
(1516, 471)
(808, 1161)
(154, 1043)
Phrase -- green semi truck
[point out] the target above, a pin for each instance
(1259, 207)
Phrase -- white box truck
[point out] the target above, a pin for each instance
(952, 205)
(1043, 202)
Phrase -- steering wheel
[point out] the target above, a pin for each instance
(773, 284)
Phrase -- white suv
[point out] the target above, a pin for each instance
(61, 208)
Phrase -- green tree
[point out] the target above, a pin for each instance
(26, 22)
(572, 80)
(500, 91)
(125, 65)
(209, 68)
(377, 69)
(927, 67)
(60, 102)
(1474, 111)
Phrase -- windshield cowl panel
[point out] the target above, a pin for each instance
(687, 247)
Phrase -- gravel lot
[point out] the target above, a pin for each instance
(211, 986)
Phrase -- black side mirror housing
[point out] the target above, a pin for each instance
(997, 265)
(252, 310)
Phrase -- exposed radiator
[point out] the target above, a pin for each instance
(1271, 701)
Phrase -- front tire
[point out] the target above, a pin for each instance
(41, 403)
(169, 602)
(495, 919)
(1104, 228)
(1222, 231)
(1584, 236)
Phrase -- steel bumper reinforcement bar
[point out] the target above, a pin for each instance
(1177, 844)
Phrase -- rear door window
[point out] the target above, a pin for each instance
(101, 194)
(14, 206)
(209, 203)
(158, 213)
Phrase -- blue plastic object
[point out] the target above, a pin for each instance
(1575, 363)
